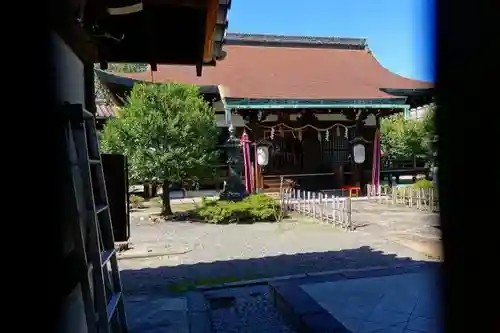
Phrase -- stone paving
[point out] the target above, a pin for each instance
(246, 309)
(146, 314)
(401, 303)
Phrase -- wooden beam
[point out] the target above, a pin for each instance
(89, 83)
(74, 35)
(211, 21)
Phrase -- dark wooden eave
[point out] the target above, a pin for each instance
(409, 92)
(415, 97)
(177, 32)
(162, 32)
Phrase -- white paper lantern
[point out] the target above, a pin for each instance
(262, 155)
(358, 152)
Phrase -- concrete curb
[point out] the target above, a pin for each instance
(124, 256)
(346, 272)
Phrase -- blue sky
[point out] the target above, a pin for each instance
(399, 32)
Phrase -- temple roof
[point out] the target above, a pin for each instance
(293, 67)
(104, 110)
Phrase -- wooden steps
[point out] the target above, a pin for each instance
(272, 184)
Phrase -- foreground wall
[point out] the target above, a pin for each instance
(69, 76)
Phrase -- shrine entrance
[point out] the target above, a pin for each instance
(308, 149)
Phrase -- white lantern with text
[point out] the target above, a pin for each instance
(262, 155)
(358, 152)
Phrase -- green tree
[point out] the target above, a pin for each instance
(168, 133)
(429, 129)
(402, 139)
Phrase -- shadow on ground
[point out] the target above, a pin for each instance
(173, 280)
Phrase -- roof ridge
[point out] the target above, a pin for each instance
(333, 42)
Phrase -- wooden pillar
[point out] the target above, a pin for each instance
(376, 163)
(89, 84)
(356, 174)
(357, 169)
(147, 192)
(259, 181)
(339, 175)
(252, 120)
(257, 174)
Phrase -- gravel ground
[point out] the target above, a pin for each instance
(251, 313)
(213, 252)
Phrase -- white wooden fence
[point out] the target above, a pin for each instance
(424, 198)
(326, 208)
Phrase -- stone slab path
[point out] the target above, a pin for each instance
(156, 314)
(400, 303)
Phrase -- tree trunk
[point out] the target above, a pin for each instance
(147, 191)
(154, 190)
(166, 209)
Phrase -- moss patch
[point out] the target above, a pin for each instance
(184, 286)
(183, 207)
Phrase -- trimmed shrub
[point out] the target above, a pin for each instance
(135, 201)
(254, 208)
(423, 184)
(261, 207)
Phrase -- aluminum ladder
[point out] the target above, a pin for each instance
(96, 257)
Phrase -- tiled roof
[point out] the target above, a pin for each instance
(105, 111)
(295, 41)
(291, 67)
